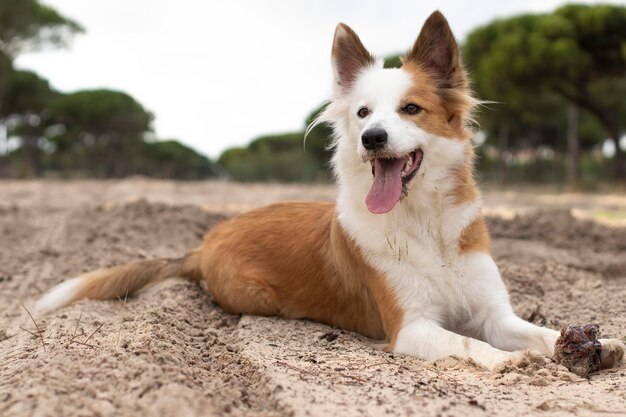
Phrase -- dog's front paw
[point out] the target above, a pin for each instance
(519, 360)
(612, 353)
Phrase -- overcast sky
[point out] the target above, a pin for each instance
(219, 73)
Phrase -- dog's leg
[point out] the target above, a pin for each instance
(427, 340)
(494, 321)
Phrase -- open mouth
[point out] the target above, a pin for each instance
(391, 176)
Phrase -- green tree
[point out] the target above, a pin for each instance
(101, 113)
(28, 25)
(101, 126)
(272, 158)
(283, 157)
(170, 159)
(25, 104)
(568, 52)
(93, 133)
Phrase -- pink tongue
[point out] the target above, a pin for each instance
(387, 187)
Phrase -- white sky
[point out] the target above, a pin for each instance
(219, 73)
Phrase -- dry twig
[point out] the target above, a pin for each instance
(74, 335)
(85, 344)
(36, 334)
(119, 332)
(295, 368)
(39, 331)
(94, 332)
(356, 378)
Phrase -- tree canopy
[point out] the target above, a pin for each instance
(100, 133)
(27, 92)
(29, 25)
(534, 60)
(535, 71)
(102, 112)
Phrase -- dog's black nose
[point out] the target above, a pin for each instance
(374, 138)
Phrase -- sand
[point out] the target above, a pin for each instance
(170, 351)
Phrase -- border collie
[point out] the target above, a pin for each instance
(403, 254)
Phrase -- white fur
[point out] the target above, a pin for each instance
(493, 319)
(58, 296)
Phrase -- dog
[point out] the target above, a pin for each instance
(403, 255)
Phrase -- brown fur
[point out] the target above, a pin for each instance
(475, 237)
(436, 50)
(435, 119)
(465, 189)
(440, 87)
(294, 260)
(123, 280)
(440, 81)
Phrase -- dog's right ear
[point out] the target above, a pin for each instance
(349, 57)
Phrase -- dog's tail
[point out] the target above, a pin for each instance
(119, 281)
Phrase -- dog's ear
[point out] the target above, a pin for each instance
(437, 52)
(349, 56)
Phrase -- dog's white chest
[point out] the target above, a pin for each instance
(425, 277)
(419, 257)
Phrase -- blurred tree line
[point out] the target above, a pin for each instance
(282, 157)
(94, 133)
(560, 80)
(554, 111)
(554, 87)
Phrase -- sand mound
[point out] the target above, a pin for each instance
(560, 229)
(170, 351)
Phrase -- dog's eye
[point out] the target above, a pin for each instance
(411, 109)
(363, 112)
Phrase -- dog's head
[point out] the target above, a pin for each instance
(393, 123)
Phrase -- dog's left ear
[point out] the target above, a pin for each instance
(437, 52)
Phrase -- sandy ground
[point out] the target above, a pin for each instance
(170, 351)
